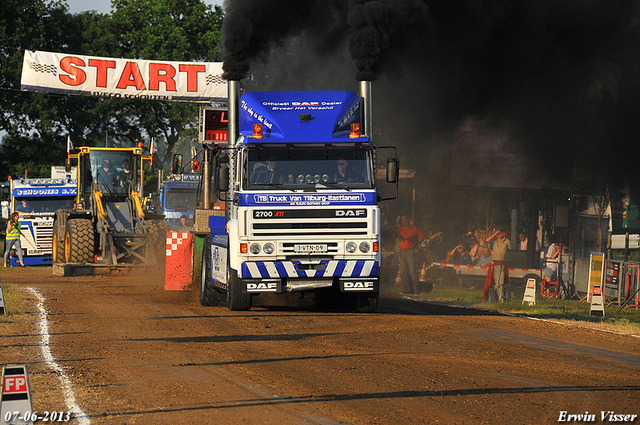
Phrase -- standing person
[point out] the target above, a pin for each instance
(184, 227)
(474, 246)
(13, 238)
(410, 237)
(551, 261)
(523, 242)
(459, 256)
(499, 252)
(438, 247)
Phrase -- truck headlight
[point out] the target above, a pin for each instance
(268, 248)
(351, 247)
(364, 247)
(254, 248)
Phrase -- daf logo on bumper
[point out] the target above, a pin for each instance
(357, 285)
(351, 213)
(262, 287)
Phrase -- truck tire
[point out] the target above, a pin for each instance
(57, 243)
(366, 303)
(79, 241)
(209, 295)
(236, 300)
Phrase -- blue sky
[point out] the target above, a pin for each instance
(104, 6)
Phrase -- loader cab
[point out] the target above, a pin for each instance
(112, 172)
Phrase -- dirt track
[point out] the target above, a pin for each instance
(135, 353)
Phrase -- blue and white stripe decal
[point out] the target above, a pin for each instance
(264, 199)
(339, 268)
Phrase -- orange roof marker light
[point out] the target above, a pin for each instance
(355, 130)
(257, 131)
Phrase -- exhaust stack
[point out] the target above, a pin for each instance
(365, 94)
(233, 90)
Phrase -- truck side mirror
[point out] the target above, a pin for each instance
(393, 170)
(223, 178)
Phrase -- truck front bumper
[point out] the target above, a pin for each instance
(297, 276)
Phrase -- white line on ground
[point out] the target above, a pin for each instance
(51, 362)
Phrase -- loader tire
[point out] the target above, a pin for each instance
(158, 233)
(209, 295)
(79, 241)
(158, 230)
(57, 243)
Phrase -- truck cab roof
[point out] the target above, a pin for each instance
(301, 116)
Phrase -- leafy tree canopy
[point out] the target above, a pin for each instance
(35, 123)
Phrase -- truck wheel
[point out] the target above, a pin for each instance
(236, 300)
(79, 241)
(57, 243)
(209, 295)
(367, 302)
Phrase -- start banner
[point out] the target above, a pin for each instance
(123, 78)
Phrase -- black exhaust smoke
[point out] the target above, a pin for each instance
(253, 27)
(563, 74)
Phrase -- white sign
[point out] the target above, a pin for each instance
(597, 302)
(529, 297)
(58, 172)
(618, 241)
(15, 402)
(122, 78)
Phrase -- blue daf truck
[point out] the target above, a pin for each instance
(298, 176)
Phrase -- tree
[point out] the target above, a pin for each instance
(184, 30)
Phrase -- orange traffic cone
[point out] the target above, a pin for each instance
(423, 273)
(398, 281)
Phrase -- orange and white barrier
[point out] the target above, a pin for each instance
(178, 269)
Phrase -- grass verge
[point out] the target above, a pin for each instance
(12, 302)
(626, 321)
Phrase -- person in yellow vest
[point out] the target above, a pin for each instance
(13, 238)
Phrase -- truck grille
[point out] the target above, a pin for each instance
(44, 237)
(310, 229)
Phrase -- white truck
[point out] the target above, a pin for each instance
(37, 200)
(294, 221)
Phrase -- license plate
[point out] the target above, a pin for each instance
(310, 248)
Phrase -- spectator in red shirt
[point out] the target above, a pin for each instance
(410, 237)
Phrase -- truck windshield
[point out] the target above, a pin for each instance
(309, 168)
(43, 205)
(183, 200)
